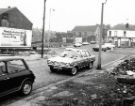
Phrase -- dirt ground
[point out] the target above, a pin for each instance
(100, 89)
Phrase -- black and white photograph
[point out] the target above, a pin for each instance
(67, 53)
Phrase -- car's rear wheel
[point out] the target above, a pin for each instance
(104, 50)
(90, 65)
(73, 71)
(52, 69)
(26, 88)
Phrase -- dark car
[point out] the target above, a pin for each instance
(15, 75)
(96, 48)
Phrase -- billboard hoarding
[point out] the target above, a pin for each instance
(13, 37)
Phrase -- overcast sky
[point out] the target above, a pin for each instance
(69, 13)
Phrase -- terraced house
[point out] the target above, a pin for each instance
(122, 36)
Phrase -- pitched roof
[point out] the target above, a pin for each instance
(18, 19)
(91, 28)
(3, 10)
(123, 27)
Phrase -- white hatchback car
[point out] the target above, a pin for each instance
(85, 43)
(109, 45)
(77, 44)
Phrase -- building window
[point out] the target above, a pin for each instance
(115, 33)
(110, 33)
(124, 33)
(79, 34)
(85, 33)
(74, 33)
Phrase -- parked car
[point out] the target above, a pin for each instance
(96, 48)
(85, 43)
(71, 60)
(109, 45)
(77, 45)
(15, 75)
(93, 42)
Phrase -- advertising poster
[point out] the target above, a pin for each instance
(15, 37)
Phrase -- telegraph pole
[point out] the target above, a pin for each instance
(43, 30)
(100, 38)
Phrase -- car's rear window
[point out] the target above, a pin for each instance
(69, 53)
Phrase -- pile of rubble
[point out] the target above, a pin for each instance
(127, 67)
(125, 75)
(125, 71)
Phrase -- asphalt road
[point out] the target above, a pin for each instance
(45, 77)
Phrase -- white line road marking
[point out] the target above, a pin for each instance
(113, 61)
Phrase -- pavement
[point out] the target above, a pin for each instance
(52, 89)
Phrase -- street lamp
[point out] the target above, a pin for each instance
(100, 37)
(49, 30)
(43, 29)
(51, 9)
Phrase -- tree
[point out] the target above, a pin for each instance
(127, 25)
(36, 34)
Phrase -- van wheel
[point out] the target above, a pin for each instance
(73, 71)
(26, 88)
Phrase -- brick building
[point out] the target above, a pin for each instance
(13, 18)
(87, 33)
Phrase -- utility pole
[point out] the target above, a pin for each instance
(43, 30)
(100, 38)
